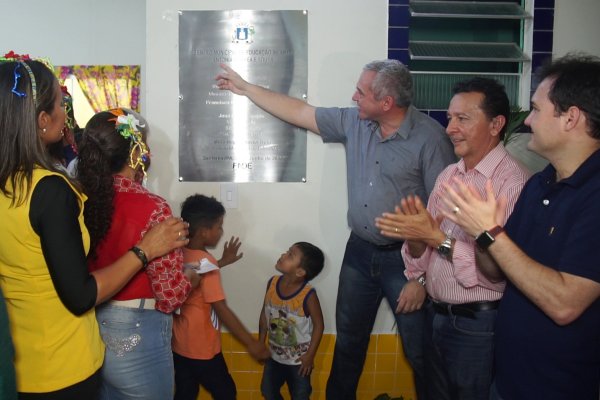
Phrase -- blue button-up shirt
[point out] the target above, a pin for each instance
(381, 171)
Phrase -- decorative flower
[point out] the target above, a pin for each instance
(11, 55)
(129, 124)
(129, 127)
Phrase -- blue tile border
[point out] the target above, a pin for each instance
(543, 4)
(400, 55)
(398, 16)
(543, 20)
(398, 38)
(542, 41)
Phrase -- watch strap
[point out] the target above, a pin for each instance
(486, 238)
(495, 231)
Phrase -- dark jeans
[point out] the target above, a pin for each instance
(369, 274)
(459, 355)
(276, 374)
(212, 374)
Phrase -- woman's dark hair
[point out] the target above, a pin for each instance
(102, 153)
(201, 212)
(21, 148)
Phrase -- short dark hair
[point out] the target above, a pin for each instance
(576, 82)
(495, 101)
(201, 212)
(312, 259)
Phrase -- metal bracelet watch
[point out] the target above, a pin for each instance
(445, 248)
(422, 280)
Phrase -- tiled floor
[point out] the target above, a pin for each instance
(386, 370)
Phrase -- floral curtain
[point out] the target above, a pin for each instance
(106, 86)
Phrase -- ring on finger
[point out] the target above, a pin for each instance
(456, 210)
(396, 230)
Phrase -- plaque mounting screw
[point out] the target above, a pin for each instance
(180, 97)
(180, 179)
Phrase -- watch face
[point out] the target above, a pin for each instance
(484, 240)
(444, 249)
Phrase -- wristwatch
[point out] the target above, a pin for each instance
(422, 280)
(140, 254)
(486, 238)
(445, 248)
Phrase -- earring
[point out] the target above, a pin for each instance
(44, 130)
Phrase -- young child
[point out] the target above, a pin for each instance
(196, 333)
(292, 317)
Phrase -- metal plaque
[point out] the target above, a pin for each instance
(224, 137)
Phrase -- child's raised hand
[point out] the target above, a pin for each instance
(230, 252)
(307, 364)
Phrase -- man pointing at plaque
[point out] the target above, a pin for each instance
(392, 150)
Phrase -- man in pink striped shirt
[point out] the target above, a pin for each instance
(441, 259)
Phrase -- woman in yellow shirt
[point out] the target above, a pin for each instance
(50, 296)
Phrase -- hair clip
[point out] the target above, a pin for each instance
(11, 56)
(130, 128)
(17, 76)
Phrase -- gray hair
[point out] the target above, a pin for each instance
(393, 79)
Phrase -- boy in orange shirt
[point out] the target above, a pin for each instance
(196, 330)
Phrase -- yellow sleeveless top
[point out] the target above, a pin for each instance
(53, 348)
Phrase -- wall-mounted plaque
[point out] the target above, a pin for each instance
(224, 137)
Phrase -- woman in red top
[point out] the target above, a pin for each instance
(136, 324)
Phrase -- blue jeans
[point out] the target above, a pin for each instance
(276, 374)
(459, 355)
(369, 274)
(138, 363)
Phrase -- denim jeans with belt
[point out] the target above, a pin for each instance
(138, 363)
(369, 274)
(459, 354)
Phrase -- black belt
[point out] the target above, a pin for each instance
(464, 310)
(382, 247)
(391, 246)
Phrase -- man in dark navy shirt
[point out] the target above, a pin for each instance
(548, 325)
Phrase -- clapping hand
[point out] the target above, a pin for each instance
(409, 221)
(466, 207)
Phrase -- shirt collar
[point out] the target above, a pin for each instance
(489, 163)
(404, 129)
(123, 184)
(589, 168)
